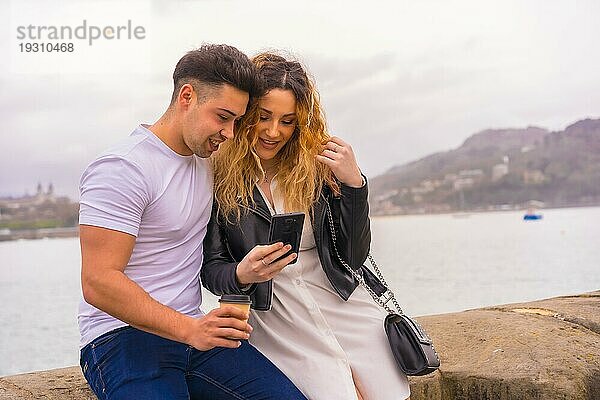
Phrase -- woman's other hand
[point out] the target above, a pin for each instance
(339, 156)
(259, 265)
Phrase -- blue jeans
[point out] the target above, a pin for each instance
(128, 363)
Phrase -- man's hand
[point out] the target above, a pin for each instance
(104, 254)
(259, 265)
(222, 327)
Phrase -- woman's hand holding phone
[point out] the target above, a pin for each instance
(259, 265)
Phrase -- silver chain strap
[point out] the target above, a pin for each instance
(388, 295)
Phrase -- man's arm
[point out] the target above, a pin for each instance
(105, 253)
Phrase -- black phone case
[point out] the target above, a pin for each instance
(287, 228)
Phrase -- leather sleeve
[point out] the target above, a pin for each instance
(218, 267)
(354, 224)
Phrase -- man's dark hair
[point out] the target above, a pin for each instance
(214, 65)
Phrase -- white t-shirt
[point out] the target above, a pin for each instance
(143, 188)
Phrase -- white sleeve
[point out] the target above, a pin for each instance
(113, 195)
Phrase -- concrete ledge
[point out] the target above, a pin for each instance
(56, 384)
(547, 349)
(543, 350)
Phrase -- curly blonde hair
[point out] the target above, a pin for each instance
(300, 176)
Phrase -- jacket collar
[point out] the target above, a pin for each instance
(260, 207)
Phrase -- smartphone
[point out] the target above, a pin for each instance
(287, 228)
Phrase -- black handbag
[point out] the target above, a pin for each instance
(411, 346)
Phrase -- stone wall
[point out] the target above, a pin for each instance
(542, 350)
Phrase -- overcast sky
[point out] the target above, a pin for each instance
(399, 80)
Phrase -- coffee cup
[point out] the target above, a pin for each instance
(239, 301)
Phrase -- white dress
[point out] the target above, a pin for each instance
(315, 337)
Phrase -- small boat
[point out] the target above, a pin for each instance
(532, 214)
(532, 217)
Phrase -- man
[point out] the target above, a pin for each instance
(145, 205)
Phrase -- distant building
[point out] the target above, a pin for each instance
(467, 178)
(471, 173)
(421, 189)
(533, 177)
(386, 195)
(527, 149)
(431, 184)
(387, 208)
(449, 178)
(37, 212)
(463, 183)
(498, 171)
(38, 198)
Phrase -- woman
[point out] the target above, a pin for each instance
(325, 333)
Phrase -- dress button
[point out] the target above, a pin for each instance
(297, 281)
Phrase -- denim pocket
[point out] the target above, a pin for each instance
(95, 355)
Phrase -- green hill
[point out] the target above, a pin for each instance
(498, 168)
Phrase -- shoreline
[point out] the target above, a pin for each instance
(29, 234)
(466, 213)
(49, 233)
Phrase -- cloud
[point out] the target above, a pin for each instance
(54, 126)
(398, 80)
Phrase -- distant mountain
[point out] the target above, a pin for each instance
(498, 168)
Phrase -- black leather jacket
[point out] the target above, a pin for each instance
(226, 244)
